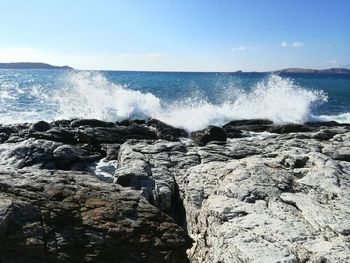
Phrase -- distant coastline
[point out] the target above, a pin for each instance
(31, 65)
(330, 71)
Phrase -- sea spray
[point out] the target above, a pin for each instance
(188, 100)
(341, 118)
(91, 95)
(277, 99)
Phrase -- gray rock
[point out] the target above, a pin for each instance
(66, 156)
(40, 126)
(260, 198)
(52, 216)
(91, 122)
(265, 198)
(342, 154)
(212, 133)
(167, 132)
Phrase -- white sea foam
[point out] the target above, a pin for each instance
(91, 95)
(341, 118)
(277, 99)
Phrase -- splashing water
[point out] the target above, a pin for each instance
(91, 95)
(341, 118)
(191, 101)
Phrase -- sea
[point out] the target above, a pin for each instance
(189, 100)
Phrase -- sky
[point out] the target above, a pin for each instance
(177, 35)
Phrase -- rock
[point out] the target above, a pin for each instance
(167, 132)
(249, 122)
(91, 122)
(56, 134)
(112, 151)
(325, 124)
(40, 126)
(62, 123)
(3, 137)
(72, 217)
(233, 133)
(46, 154)
(342, 154)
(128, 122)
(288, 128)
(30, 152)
(212, 133)
(69, 157)
(14, 132)
(324, 135)
(256, 125)
(264, 197)
(118, 134)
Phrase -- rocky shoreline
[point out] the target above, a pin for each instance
(143, 191)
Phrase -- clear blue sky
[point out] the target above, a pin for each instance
(206, 35)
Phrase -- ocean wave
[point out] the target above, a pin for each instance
(91, 95)
(83, 94)
(341, 118)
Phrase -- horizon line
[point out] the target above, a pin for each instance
(180, 71)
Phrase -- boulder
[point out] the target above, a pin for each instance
(210, 134)
(58, 134)
(40, 126)
(74, 157)
(128, 122)
(249, 122)
(288, 128)
(342, 154)
(72, 217)
(233, 133)
(256, 125)
(91, 122)
(165, 131)
(118, 134)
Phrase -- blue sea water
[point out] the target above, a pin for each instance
(188, 100)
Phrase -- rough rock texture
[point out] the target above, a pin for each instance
(209, 134)
(167, 132)
(72, 217)
(51, 215)
(267, 198)
(259, 197)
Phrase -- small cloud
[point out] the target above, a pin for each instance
(297, 44)
(333, 61)
(244, 48)
(284, 44)
(241, 48)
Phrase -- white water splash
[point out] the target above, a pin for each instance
(341, 118)
(91, 95)
(276, 99)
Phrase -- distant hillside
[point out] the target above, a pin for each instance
(30, 65)
(330, 71)
(342, 71)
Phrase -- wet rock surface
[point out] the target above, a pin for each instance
(136, 191)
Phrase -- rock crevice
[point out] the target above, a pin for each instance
(137, 191)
